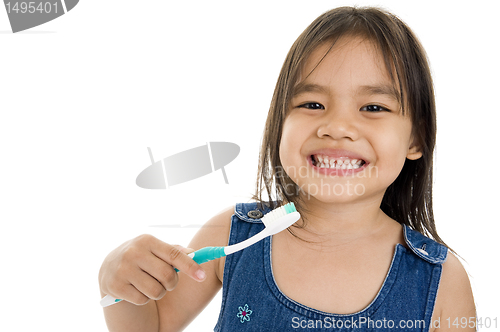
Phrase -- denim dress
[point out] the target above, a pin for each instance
(252, 301)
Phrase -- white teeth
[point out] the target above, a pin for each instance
(323, 161)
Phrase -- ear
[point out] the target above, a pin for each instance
(414, 151)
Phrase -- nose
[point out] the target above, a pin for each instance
(338, 124)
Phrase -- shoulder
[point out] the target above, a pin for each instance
(215, 231)
(424, 247)
(454, 301)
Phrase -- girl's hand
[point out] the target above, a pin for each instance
(143, 269)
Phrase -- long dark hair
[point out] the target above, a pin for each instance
(408, 199)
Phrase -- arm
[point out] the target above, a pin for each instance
(454, 302)
(189, 298)
(142, 269)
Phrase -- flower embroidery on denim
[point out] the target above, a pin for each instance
(244, 313)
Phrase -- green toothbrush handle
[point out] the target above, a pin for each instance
(199, 256)
(206, 254)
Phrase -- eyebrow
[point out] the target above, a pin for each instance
(380, 89)
(309, 87)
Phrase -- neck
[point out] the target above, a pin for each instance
(340, 222)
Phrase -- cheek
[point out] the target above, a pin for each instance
(286, 144)
(292, 139)
(395, 149)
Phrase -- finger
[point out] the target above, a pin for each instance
(128, 292)
(184, 250)
(134, 296)
(163, 272)
(188, 250)
(175, 257)
(148, 286)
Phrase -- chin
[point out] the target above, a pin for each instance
(333, 193)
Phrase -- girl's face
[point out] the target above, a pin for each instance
(345, 138)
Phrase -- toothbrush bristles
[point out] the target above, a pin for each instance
(277, 213)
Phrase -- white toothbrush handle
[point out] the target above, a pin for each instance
(247, 243)
(108, 300)
(285, 222)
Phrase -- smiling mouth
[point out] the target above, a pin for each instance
(323, 161)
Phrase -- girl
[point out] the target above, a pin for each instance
(349, 139)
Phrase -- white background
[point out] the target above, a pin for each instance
(83, 96)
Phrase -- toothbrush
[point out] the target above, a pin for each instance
(274, 222)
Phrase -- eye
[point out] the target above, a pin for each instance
(374, 108)
(312, 106)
